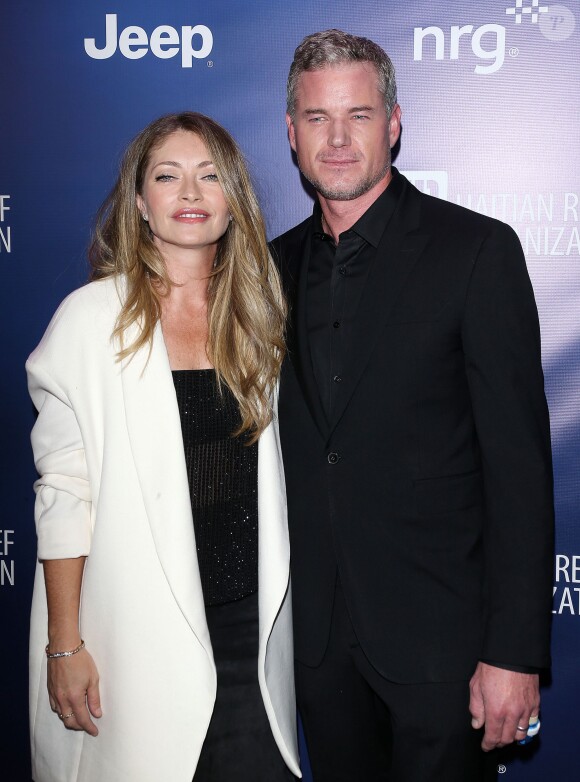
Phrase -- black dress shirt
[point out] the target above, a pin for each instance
(336, 278)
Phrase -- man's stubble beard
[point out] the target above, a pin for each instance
(350, 194)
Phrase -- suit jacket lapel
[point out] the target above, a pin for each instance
(299, 346)
(154, 430)
(397, 253)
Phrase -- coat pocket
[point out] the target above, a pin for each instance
(448, 493)
(417, 312)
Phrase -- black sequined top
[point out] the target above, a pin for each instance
(223, 483)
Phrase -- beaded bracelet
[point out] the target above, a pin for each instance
(53, 655)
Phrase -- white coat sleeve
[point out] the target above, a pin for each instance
(63, 500)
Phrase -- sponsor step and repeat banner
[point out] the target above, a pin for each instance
(490, 98)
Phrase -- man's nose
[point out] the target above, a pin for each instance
(338, 135)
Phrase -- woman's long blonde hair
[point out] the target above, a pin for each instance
(246, 310)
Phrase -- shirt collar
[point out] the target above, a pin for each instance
(372, 224)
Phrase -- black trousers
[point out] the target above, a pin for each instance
(239, 745)
(360, 727)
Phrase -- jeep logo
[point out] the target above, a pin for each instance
(164, 42)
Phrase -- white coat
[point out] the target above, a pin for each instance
(114, 487)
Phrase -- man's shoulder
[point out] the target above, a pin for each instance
(287, 250)
(292, 236)
(443, 217)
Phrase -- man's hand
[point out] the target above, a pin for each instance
(502, 700)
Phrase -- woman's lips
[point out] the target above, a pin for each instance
(190, 215)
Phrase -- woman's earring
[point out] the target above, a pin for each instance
(145, 217)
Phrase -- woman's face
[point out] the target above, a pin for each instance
(182, 198)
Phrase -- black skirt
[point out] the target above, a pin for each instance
(239, 746)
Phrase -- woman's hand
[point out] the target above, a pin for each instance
(73, 681)
(73, 690)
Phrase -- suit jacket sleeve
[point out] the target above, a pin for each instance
(501, 340)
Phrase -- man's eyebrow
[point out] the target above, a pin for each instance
(352, 110)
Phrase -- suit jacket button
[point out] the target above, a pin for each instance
(333, 457)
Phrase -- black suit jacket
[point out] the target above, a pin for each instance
(431, 488)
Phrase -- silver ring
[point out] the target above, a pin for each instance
(523, 730)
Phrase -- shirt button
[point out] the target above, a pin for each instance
(337, 378)
(333, 457)
(336, 324)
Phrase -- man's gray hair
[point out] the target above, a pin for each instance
(333, 47)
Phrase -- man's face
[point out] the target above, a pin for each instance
(340, 132)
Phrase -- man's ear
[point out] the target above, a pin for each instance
(395, 125)
(291, 131)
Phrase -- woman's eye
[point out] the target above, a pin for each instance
(164, 177)
(211, 177)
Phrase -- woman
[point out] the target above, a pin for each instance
(154, 386)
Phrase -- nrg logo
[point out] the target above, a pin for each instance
(164, 42)
(487, 43)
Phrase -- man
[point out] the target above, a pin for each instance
(416, 443)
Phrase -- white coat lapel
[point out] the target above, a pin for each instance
(274, 547)
(275, 653)
(154, 430)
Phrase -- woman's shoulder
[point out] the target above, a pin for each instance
(87, 315)
(99, 299)
(92, 298)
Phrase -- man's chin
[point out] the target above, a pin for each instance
(343, 191)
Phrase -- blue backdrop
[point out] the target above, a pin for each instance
(490, 100)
